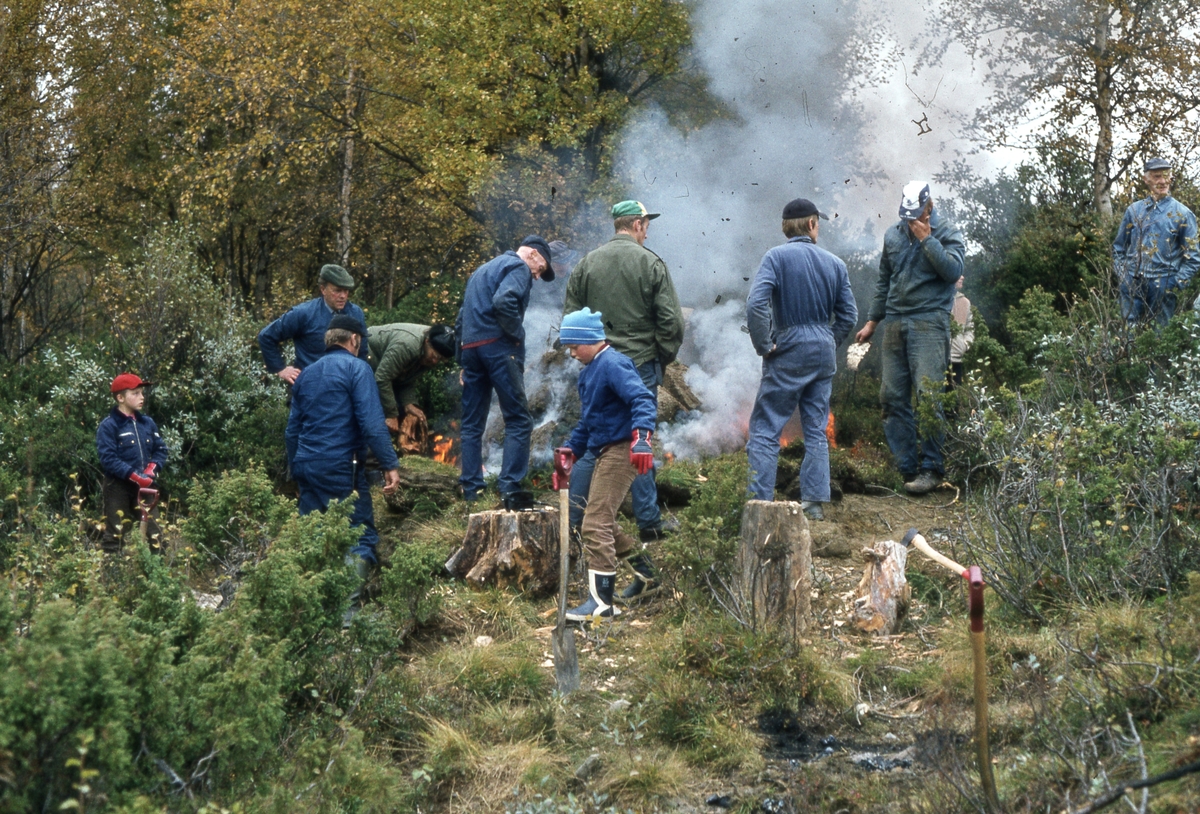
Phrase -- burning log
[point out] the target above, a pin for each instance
(883, 593)
(510, 549)
(774, 567)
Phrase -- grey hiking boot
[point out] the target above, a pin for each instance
(923, 484)
(812, 510)
(646, 581)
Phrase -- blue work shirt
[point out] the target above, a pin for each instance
(800, 293)
(495, 301)
(305, 326)
(613, 402)
(336, 413)
(1157, 239)
(918, 276)
(126, 443)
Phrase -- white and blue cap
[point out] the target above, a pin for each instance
(581, 328)
(913, 199)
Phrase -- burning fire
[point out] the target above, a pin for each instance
(442, 449)
(830, 434)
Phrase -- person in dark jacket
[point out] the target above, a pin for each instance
(616, 422)
(922, 260)
(631, 286)
(400, 352)
(335, 418)
(132, 455)
(305, 325)
(799, 310)
(492, 354)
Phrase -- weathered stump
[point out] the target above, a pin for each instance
(883, 593)
(510, 549)
(775, 567)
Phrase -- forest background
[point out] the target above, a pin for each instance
(174, 174)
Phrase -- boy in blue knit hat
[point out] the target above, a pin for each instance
(617, 414)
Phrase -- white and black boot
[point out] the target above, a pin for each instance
(646, 581)
(600, 598)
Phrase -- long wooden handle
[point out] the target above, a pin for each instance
(917, 541)
(564, 548)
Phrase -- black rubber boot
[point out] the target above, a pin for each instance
(600, 599)
(646, 581)
(362, 569)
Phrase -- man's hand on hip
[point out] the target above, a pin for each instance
(391, 480)
(289, 374)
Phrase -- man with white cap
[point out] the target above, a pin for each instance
(922, 260)
(1155, 252)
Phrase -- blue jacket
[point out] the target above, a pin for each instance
(613, 402)
(305, 326)
(336, 414)
(1157, 239)
(495, 301)
(917, 277)
(798, 291)
(127, 443)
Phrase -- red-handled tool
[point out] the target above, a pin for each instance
(974, 577)
(147, 500)
(566, 660)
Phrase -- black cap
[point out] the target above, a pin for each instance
(441, 339)
(543, 248)
(802, 208)
(1157, 163)
(345, 322)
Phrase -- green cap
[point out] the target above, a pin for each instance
(635, 208)
(331, 273)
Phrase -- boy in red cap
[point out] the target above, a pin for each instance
(132, 455)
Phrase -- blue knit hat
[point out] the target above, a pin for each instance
(581, 328)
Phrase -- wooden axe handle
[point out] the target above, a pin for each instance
(913, 538)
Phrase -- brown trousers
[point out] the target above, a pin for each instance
(603, 539)
(121, 514)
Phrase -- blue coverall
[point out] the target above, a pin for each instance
(1155, 253)
(492, 337)
(305, 326)
(799, 310)
(335, 417)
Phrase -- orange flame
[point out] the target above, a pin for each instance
(442, 447)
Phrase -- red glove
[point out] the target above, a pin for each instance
(641, 455)
(151, 470)
(141, 480)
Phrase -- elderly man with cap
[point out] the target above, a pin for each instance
(1156, 251)
(305, 325)
(492, 355)
(631, 286)
(335, 418)
(400, 352)
(922, 260)
(799, 310)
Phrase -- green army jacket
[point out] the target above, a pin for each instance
(630, 286)
(396, 357)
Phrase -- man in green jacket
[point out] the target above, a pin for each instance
(401, 352)
(631, 288)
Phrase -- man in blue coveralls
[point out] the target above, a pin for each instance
(799, 310)
(1156, 251)
(335, 417)
(922, 260)
(492, 355)
(306, 323)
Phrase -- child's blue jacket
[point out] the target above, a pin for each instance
(127, 443)
(613, 402)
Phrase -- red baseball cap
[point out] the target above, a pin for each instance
(128, 381)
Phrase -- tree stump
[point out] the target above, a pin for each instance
(775, 567)
(510, 549)
(883, 593)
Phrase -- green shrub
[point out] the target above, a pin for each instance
(236, 509)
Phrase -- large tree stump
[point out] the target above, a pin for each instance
(775, 567)
(510, 549)
(883, 593)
